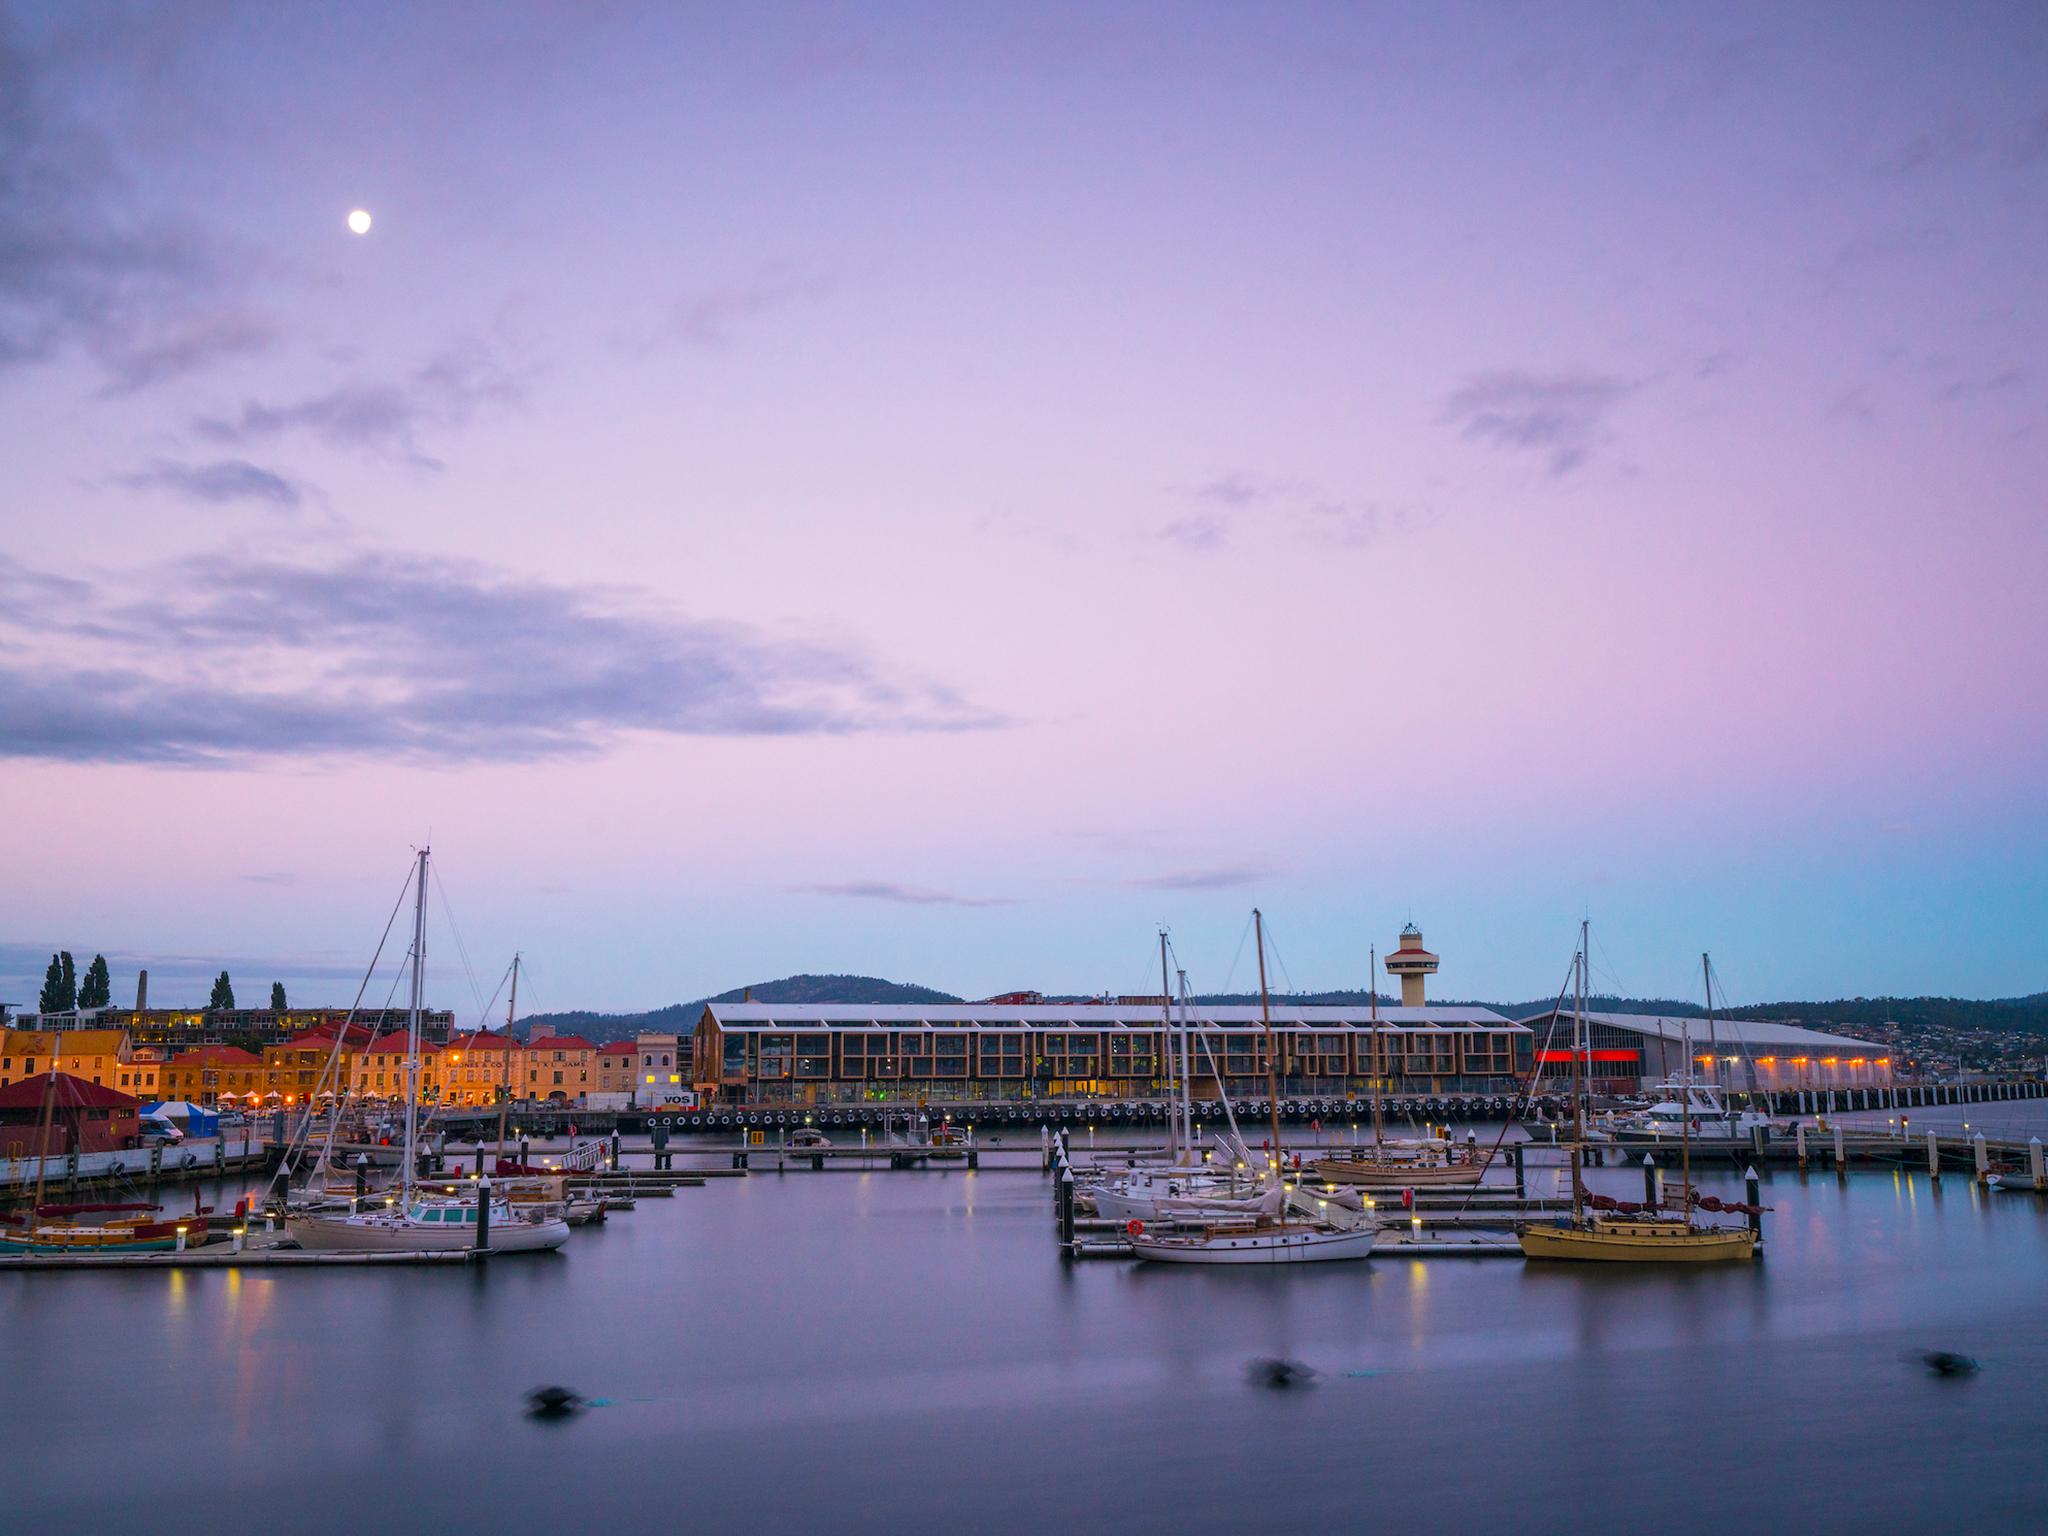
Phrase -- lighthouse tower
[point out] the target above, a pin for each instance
(1411, 962)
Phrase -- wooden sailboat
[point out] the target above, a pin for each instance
(1287, 1226)
(1431, 1163)
(1628, 1236)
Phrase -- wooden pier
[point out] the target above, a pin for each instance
(221, 1256)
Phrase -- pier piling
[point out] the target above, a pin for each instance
(1799, 1140)
(483, 1216)
(1753, 1195)
(1650, 1178)
(1933, 1157)
(2034, 1164)
(1982, 1157)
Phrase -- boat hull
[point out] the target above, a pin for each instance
(1609, 1246)
(1288, 1246)
(324, 1235)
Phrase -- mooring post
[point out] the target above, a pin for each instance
(1933, 1158)
(1757, 1135)
(1649, 1178)
(1983, 1156)
(1752, 1194)
(2034, 1164)
(1799, 1143)
(363, 1174)
(483, 1216)
(1515, 1157)
(479, 1154)
(1066, 1209)
(1841, 1153)
(523, 1145)
(1044, 1147)
(615, 1149)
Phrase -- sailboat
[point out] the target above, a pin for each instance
(411, 1222)
(1425, 1163)
(1287, 1225)
(1602, 1229)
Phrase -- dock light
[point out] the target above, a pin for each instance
(1415, 1222)
(1371, 1204)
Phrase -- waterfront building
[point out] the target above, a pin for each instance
(253, 1028)
(1630, 1052)
(478, 1066)
(106, 1057)
(211, 1073)
(807, 1053)
(617, 1063)
(84, 1117)
(299, 1066)
(557, 1067)
(380, 1072)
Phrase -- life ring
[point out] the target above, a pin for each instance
(1134, 1228)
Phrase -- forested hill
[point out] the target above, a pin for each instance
(1861, 1013)
(681, 1018)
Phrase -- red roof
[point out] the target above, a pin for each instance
(72, 1093)
(216, 1056)
(479, 1040)
(560, 1043)
(394, 1044)
(323, 1035)
(619, 1048)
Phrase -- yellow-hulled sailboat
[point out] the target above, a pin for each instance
(1631, 1236)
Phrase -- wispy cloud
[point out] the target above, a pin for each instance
(1561, 416)
(1230, 503)
(1218, 878)
(709, 317)
(376, 653)
(271, 877)
(83, 265)
(223, 480)
(910, 895)
(381, 418)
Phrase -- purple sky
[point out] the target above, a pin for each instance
(940, 491)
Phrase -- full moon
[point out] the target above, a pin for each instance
(359, 221)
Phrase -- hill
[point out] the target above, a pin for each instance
(681, 1018)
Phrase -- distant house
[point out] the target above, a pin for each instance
(83, 1116)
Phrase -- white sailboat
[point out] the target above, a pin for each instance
(1286, 1225)
(412, 1223)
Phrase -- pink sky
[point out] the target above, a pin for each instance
(1100, 468)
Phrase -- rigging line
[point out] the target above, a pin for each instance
(461, 950)
(1528, 1088)
(1273, 949)
(1231, 975)
(341, 1036)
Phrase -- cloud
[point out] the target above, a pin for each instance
(381, 418)
(1237, 498)
(223, 480)
(84, 265)
(1220, 878)
(271, 877)
(708, 317)
(1950, 141)
(910, 895)
(233, 661)
(1558, 415)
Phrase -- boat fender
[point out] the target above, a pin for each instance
(1134, 1227)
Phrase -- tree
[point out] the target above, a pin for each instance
(223, 994)
(277, 1002)
(67, 997)
(51, 999)
(97, 990)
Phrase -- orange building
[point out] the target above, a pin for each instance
(476, 1066)
(560, 1067)
(380, 1069)
(206, 1075)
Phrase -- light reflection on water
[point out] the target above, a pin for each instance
(848, 1351)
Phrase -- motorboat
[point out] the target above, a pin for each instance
(1685, 1108)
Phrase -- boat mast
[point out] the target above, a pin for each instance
(505, 1069)
(1379, 1051)
(412, 1034)
(1187, 1068)
(1166, 1040)
(1272, 1077)
(1713, 1045)
(1685, 1134)
(1578, 1062)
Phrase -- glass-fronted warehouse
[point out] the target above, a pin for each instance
(957, 1052)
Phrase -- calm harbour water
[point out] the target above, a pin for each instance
(849, 1352)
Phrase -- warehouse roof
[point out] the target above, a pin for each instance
(786, 1018)
(1764, 1033)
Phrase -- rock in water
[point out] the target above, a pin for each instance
(1946, 1363)
(552, 1402)
(1280, 1374)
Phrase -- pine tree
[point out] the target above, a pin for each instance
(277, 1002)
(53, 988)
(223, 994)
(98, 988)
(67, 991)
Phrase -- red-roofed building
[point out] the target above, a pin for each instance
(84, 1117)
(208, 1074)
(476, 1065)
(380, 1068)
(560, 1067)
(617, 1061)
